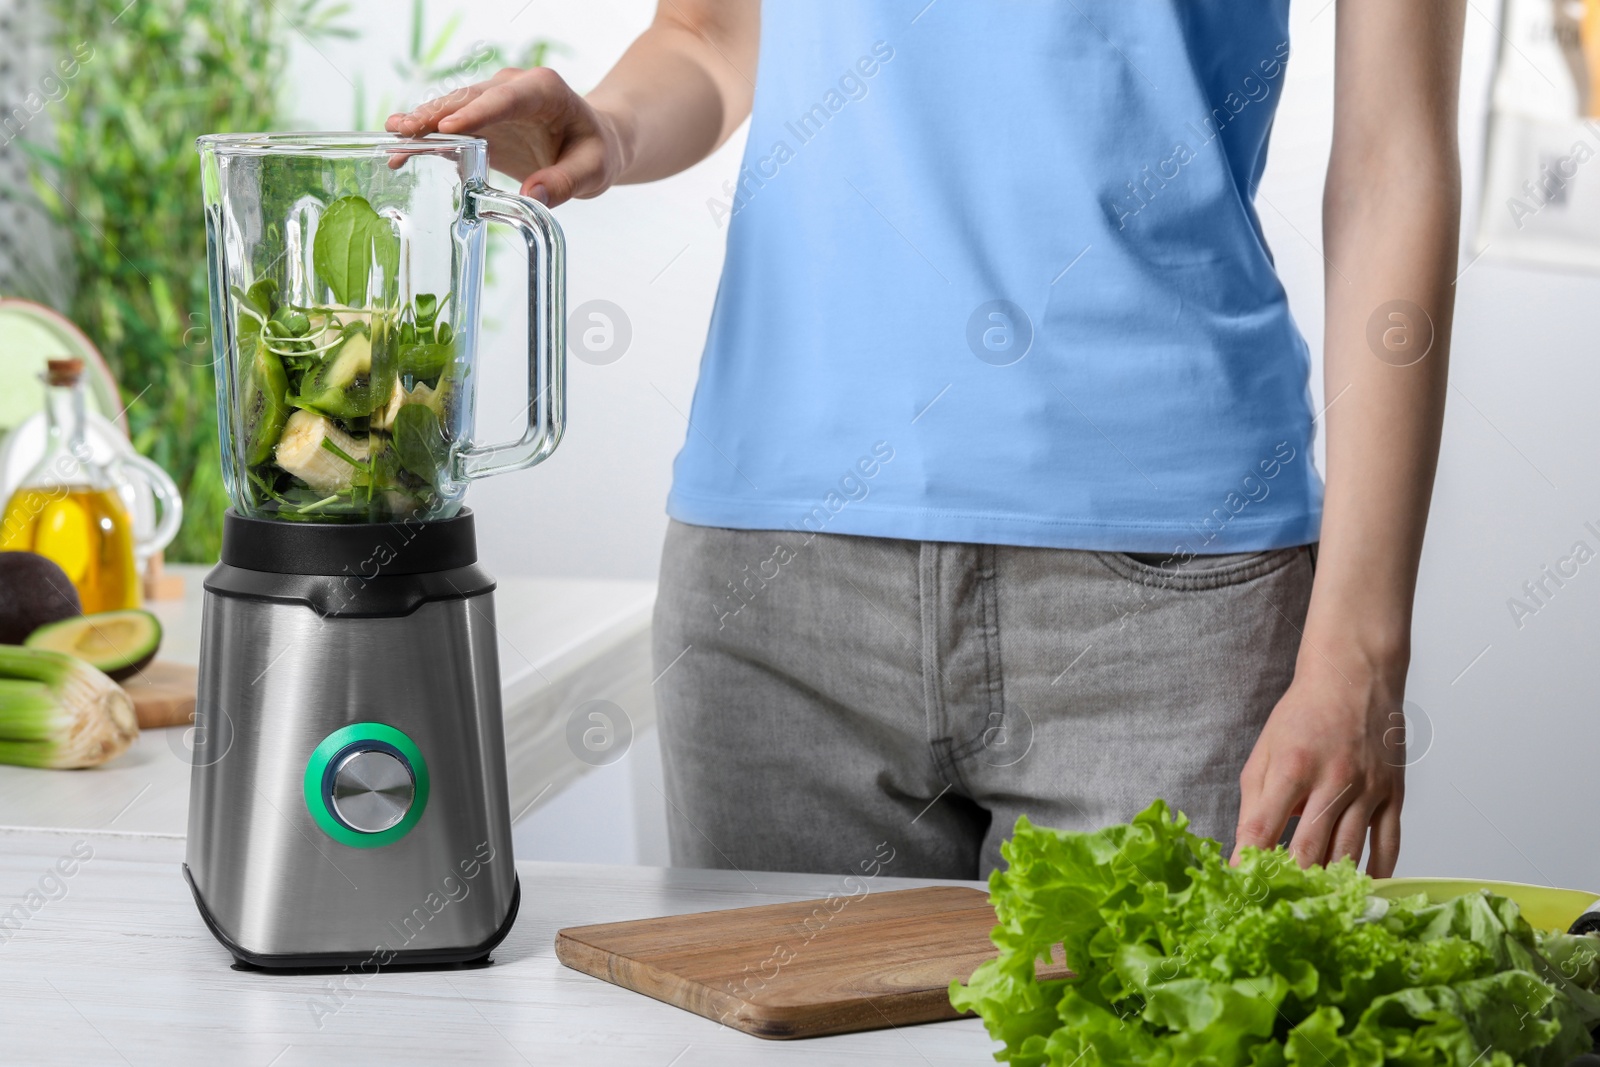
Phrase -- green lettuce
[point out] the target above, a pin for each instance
(1180, 959)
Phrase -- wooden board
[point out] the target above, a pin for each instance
(163, 694)
(805, 969)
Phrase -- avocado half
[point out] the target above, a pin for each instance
(33, 591)
(119, 643)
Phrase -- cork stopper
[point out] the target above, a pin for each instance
(64, 372)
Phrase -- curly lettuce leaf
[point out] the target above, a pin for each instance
(1181, 959)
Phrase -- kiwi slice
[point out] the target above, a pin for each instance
(356, 378)
(425, 362)
(265, 407)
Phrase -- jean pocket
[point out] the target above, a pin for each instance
(1171, 571)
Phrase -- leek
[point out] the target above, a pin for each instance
(57, 711)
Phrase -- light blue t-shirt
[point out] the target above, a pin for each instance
(995, 275)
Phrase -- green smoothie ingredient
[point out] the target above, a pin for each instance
(57, 711)
(1181, 959)
(120, 643)
(34, 590)
(347, 405)
(352, 239)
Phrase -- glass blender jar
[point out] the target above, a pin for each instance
(345, 273)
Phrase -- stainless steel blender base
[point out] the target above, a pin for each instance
(348, 802)
(475, 956)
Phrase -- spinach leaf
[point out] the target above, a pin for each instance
(263, 295)
(425, 361)
(419, 442)
(350, 238)
(427, 306)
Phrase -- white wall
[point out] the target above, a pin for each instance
(1503, 780)
(610, 814)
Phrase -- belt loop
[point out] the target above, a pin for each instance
(928, 602)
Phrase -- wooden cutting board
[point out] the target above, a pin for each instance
(804, 969)
(163, 694)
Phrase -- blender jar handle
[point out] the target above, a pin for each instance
(547, 347)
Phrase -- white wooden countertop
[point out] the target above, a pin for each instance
(563, 641)
(118, 968)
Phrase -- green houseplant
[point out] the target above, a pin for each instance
(120, 180)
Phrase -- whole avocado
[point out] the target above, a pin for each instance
(33, 591)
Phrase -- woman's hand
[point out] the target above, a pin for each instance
(1333, 749)
(1332, 752)
(678, 92)
(539, 132)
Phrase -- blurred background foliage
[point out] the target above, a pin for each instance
(119, 178)
(426, 71)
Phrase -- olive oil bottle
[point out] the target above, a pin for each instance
(69, 510)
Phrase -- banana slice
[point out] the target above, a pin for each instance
(300, 451)
(422, 393)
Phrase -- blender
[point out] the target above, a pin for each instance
(348, 803)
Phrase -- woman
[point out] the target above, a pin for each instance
(998, 495)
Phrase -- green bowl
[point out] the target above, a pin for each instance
(1544, 907)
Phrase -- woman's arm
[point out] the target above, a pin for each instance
(679, 91)
(1332, 750)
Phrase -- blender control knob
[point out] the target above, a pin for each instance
(371, 789)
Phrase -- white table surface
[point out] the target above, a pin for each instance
(563, 641)
(120, 969)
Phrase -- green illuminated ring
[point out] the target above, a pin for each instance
(335, 744)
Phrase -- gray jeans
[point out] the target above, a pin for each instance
(821, 696)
